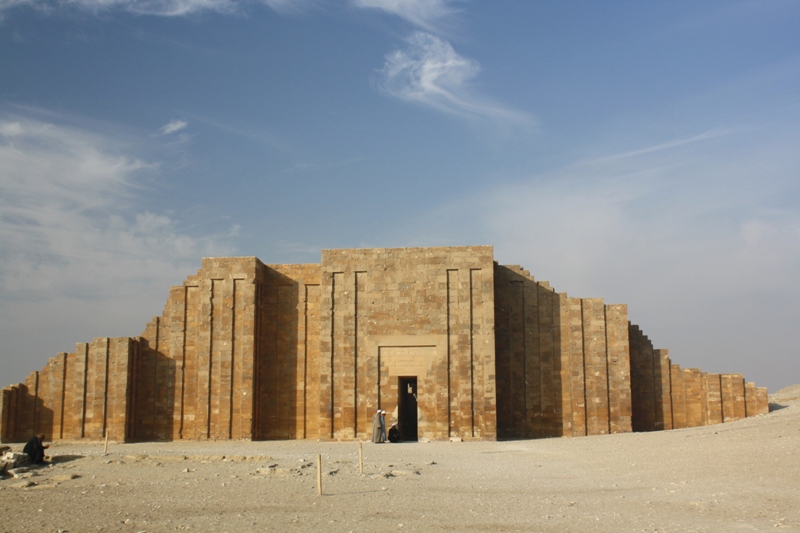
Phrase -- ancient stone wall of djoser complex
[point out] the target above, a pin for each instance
(562, 363)
(76, 395)
(392, 313)
(665, 396)
(194, 376)
(463, 346)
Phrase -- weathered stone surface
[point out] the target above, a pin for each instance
(449, 343)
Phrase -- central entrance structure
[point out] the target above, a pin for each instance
(407, 408)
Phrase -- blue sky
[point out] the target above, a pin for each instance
(644, 152)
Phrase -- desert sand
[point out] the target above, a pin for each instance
(740, 476)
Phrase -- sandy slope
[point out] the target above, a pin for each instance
(742, 476)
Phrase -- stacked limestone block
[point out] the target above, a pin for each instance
(408, 312)
(288, 365)
(666, 396)
(194, 378)
(650, 383)
(249, 351)
(562, 363)
(76, 395)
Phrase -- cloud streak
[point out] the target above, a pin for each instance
(422, 13)
(431, 73)
(65, 196)
(704, 251)
(172, 126)
(73, 238)
(164, 8)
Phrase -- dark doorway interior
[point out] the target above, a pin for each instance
(407, 408)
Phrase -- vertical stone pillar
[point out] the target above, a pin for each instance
(503, 346)
(220, 389)
(739, 410)
(663, 392)
(483, 358)
(459, 346)
(5, 414)
(594, 348)
(645, 381)
(548, 376)
(577, 366)
(173, 426)
(195, 363)
(313, 365)
(10, 410)
(562, 342)
(695, 406)
(714, 404)
(728, 398)
(344, 361)
(165, 377)
(763, 400)
(121, 352)
(243, 354)
(750, 399)
(523, 381)
(678, 397)
(618, 364)
(96, 390)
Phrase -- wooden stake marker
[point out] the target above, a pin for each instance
(319, 474)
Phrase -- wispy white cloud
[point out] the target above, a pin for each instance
(166, 8)
(8, 4)
(700, 236)
(290, 6)
(674, 143)
(423, 13)
(430, 72)
(66, 195)
(74, 237)
(172, 126)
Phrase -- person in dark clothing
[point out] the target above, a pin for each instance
(35, 449)
(394, 434)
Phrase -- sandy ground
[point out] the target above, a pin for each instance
(742, 476)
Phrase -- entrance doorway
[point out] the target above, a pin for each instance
(407, 407)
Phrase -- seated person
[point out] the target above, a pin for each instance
(394, 434)
(35, 449)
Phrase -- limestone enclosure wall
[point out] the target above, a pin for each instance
(194, 375)
(287, 369)
(449, 343)
(414, 313)
(562, 363)
(76, 395)
(666, 396)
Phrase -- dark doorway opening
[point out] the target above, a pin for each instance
(407, 408)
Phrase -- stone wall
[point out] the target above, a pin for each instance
(409, 312)
(194, 376)
(562, 363)
(245, 350)
(76, 395)
(666, 396)
(287, 397)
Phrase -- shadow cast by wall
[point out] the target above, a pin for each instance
(528, 357)
(25, 416)
(278, 380)
(152, 398)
